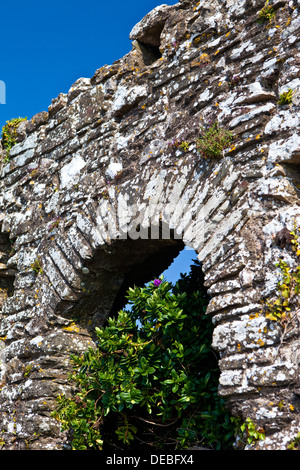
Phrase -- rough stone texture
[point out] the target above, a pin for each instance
(105, 147)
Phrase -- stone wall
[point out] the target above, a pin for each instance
(103, 164)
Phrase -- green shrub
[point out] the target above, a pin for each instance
(152, 381)
(9, 134)
(213, 141)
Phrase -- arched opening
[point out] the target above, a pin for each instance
(136, 263)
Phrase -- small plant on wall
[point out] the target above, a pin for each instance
(9, 135)
(285, 98)
(182, 145)
(251, 432)
(213, 140)
(36, 266)
(294, 444)
(267, 13)
(284, 307)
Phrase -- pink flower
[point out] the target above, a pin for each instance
(157, 282)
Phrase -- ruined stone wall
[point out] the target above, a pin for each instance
(102, 163)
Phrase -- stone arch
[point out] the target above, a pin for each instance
(83, 269)
(104, 161)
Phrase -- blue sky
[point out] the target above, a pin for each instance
(47, 46)
(181, 264)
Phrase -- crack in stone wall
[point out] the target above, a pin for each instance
(100, 164)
